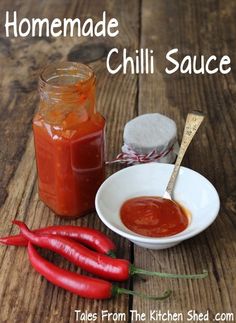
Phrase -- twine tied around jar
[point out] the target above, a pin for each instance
(130, 157)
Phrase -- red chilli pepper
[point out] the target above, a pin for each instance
(90, 237)
(81, 285)
(93, 262)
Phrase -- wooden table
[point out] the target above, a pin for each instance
(194, 27)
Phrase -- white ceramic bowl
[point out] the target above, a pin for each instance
(192, 190)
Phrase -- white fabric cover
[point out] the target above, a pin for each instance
(152, 131)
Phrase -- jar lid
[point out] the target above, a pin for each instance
(149, 132)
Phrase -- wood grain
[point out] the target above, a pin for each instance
(194, 28)
(24, 295)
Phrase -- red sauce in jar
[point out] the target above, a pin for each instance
(69, 140)
(153, 216)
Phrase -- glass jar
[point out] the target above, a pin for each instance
(69, 139)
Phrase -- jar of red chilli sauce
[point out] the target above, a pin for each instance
(69, 139)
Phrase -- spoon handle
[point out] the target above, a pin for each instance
(193, 122)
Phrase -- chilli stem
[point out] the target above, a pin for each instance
(134, 270)
(119, 290)
(111, 254)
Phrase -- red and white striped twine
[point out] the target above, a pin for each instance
(131, 157)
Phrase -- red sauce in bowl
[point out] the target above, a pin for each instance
(153, 216)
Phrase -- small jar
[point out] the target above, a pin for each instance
(150, 137)
(69, 139)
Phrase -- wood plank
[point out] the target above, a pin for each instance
(194, 27)
(24, 295)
